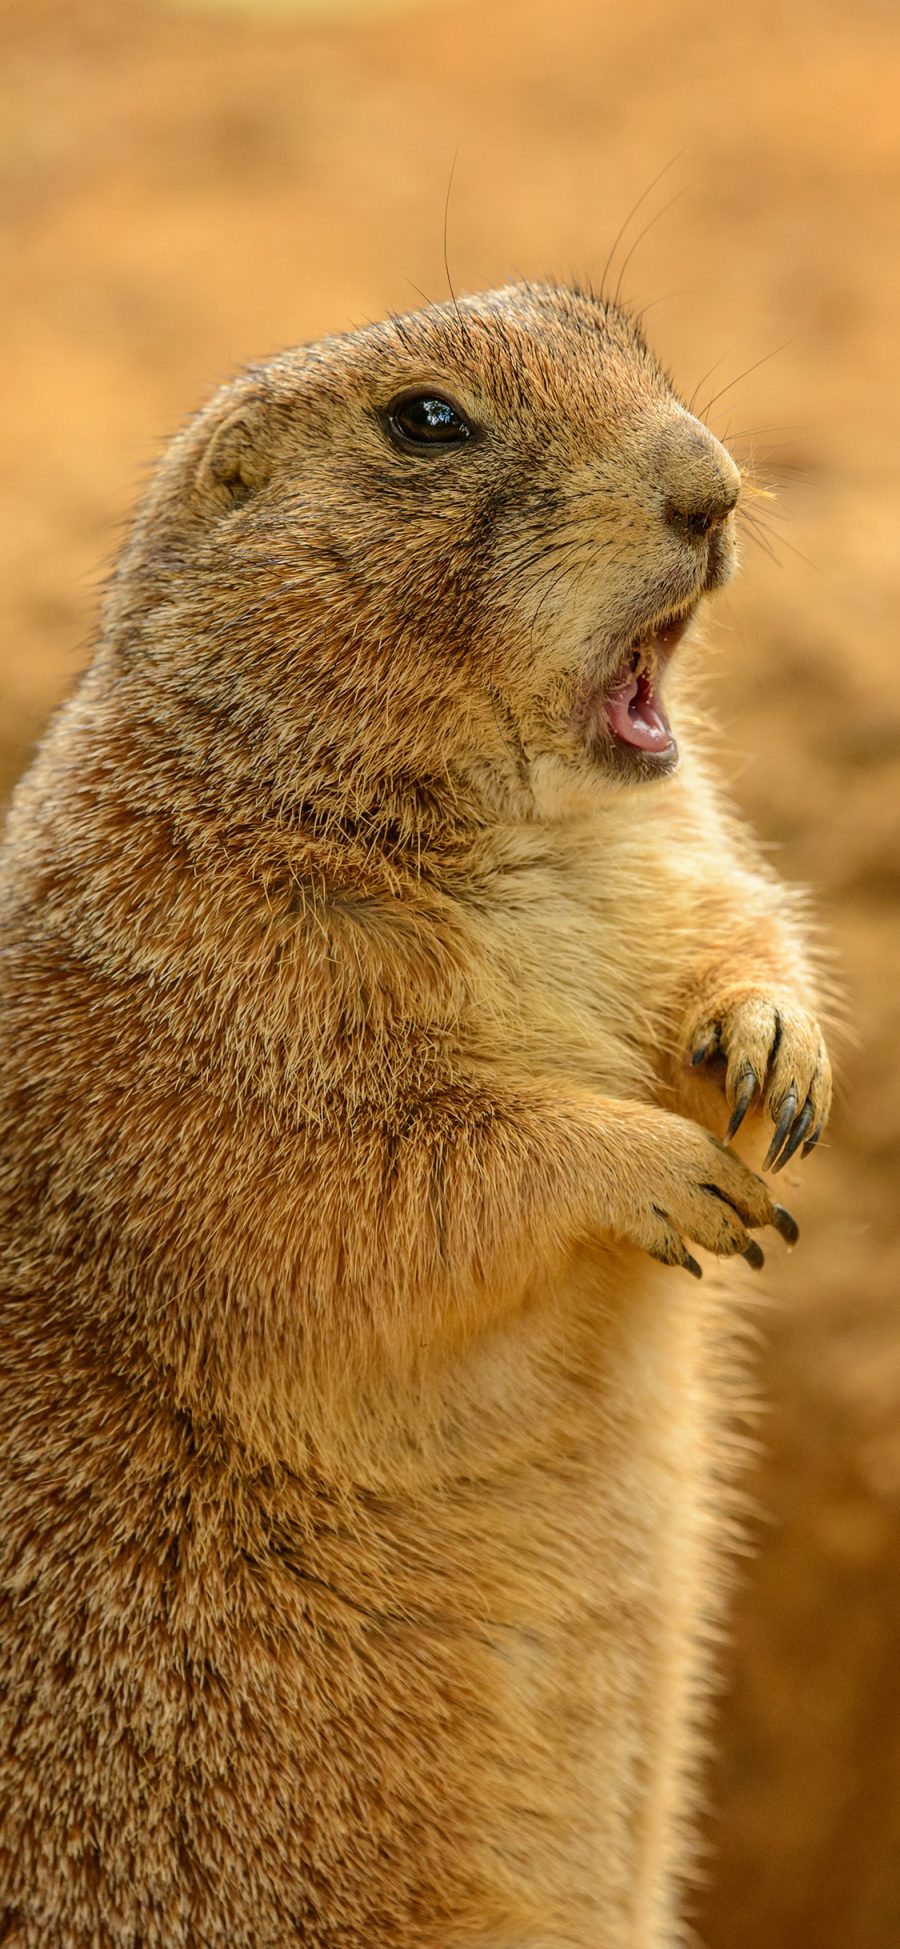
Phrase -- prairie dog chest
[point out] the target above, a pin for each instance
(569, 943)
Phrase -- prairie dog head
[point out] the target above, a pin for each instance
(478, 529)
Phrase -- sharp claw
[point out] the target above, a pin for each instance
(705, 1048)
(669, 1258)
(812, 1141)
(747, 1086)
(785, 1224)
(796, 1137)
(754, 1255)
(785, 1121)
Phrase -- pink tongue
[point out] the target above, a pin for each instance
(636, 718)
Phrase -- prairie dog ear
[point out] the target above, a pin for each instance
(236, 461)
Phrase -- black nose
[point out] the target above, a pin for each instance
(694, 513)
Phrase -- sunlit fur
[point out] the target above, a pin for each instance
(366, 1481)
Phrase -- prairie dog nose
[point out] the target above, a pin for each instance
(700, 482)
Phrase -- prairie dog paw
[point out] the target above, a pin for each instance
(775, 1061)
(681, 1184)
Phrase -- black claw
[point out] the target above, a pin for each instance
(676, 1259)
(789, 1111)
(812, 1141)
(754, 1255)
(786, 1225)
(797, 1135)
(706, 1048)
(747, 1086)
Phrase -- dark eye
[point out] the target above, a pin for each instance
(427, 420)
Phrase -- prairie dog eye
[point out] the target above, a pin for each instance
(427, 420)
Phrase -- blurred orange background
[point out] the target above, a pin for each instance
(185, 187)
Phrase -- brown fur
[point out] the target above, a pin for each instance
(365, 1477)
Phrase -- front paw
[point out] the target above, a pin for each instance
(678, 1184)
(775, 1058)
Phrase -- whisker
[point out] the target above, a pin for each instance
(641, 314)
(783, 542)
(545, 598)
(647, 228)
(630, 217)
(755, 432)
(744, 375)
(702, 382)
(549, 553)
(761, 540)
(446, 222)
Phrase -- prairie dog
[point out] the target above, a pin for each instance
(380, 972)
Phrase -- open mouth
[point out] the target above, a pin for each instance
(634, 709)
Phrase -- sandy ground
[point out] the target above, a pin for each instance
(183, 189)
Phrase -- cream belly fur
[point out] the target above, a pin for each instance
(618, 1393)
(374, 979)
